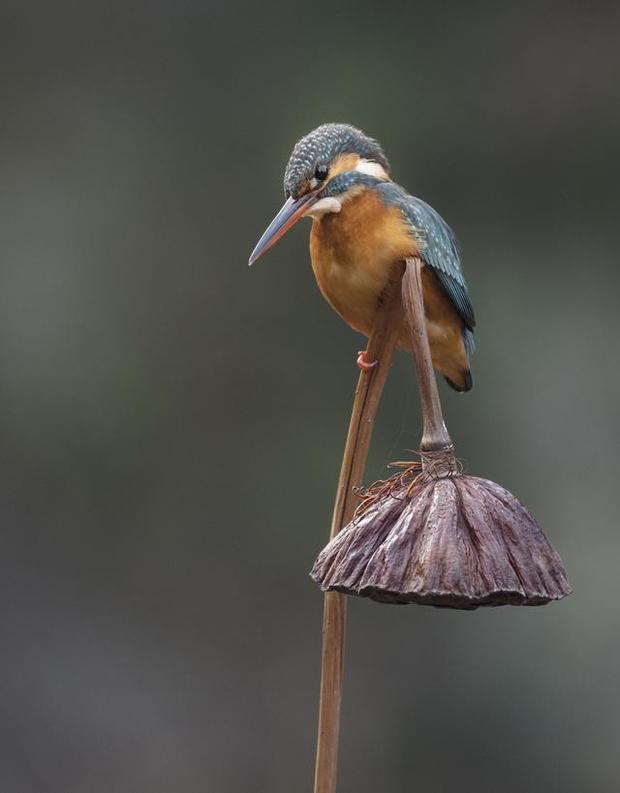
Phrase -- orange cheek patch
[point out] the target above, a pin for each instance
(342, 164)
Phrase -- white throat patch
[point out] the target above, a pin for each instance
(323, 206)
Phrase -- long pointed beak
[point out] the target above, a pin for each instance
(291, 212)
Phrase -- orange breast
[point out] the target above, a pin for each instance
(352, 253)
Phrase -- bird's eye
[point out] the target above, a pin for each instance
(321, 172)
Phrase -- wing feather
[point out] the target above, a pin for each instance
(439, 248)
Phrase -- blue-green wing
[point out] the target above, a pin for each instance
(438, 248)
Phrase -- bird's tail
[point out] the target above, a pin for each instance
(462, 380)
(465, 382)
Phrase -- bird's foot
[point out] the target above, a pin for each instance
(363, 364)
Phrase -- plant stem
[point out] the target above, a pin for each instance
(370, 385)
(435, 436)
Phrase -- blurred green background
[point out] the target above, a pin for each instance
(172, 423)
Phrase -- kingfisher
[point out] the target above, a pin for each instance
(362, 224)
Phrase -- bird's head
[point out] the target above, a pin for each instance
(326, 168)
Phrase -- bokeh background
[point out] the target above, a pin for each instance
(172, 423)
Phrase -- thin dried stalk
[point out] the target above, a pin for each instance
(365, 404)
(435, 436)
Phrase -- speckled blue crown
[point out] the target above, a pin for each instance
(321, 146)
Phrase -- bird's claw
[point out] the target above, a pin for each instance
(363, 364)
